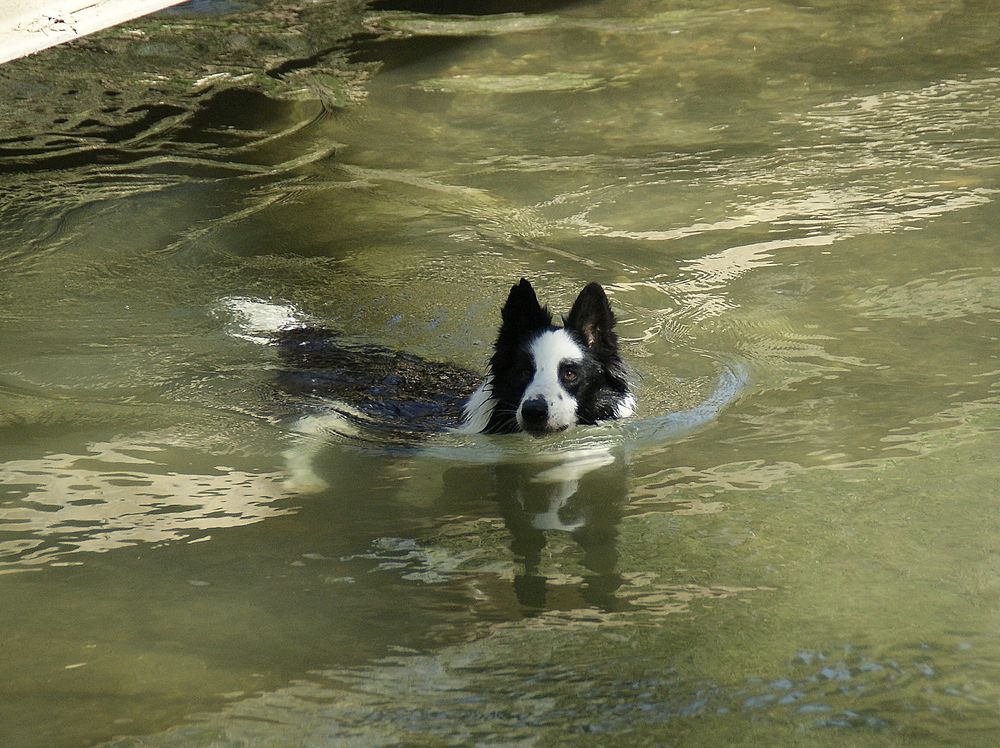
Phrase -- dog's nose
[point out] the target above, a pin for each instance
(535, 412)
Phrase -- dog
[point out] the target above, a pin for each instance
(543, 378)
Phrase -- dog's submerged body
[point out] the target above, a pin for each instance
(541, 379)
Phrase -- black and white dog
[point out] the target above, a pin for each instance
(541, 379)
(544, 378)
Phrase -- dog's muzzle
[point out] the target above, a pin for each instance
(534, 417)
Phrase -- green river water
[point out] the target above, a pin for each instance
(798, 198)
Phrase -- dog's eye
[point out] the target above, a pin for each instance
(568, 375)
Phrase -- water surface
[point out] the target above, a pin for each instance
(795, 204)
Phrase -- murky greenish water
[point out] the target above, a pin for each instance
(797, 202)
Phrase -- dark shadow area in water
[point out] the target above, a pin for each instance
(395, 53)
(484, 8)
(182, 140)
(116, 84)
(228, 117)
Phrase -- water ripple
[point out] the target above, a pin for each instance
(120, 494)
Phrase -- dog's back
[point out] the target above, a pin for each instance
(394, 392)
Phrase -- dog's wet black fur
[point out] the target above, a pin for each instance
(399, 393)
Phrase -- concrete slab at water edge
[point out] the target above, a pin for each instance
(28, 26)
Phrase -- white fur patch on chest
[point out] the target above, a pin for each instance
(478, 411)
(626, 407)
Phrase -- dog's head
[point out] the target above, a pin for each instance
(547, 378)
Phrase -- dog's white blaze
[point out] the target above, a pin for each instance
(547, 351)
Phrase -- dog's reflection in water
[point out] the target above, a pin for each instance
(582, 494)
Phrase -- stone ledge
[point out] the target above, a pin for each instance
(28, 26)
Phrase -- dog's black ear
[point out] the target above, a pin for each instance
(591, 316)
(522, 314)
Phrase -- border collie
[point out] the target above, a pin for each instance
(541, 379)
(544, 378)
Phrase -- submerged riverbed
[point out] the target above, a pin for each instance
(793, 206)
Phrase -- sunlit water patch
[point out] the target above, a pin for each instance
(113, 496)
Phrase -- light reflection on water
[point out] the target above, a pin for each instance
(119, 495)
(795, 539)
